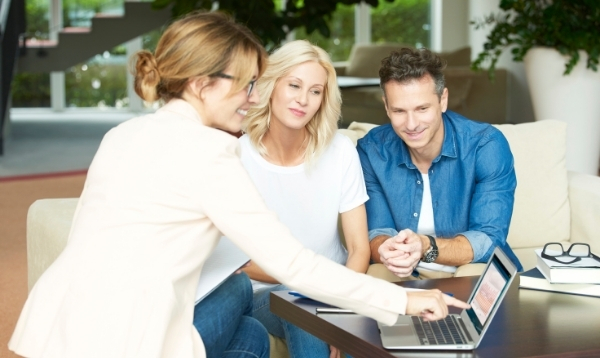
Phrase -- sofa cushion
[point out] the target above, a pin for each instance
(48, 227)
(541, 212)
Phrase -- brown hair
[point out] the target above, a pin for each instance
(408, 64)
(199, 44)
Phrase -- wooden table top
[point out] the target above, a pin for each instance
(528, 324)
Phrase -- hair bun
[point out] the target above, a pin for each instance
(147, 76)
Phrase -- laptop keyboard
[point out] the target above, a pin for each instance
(444, 331)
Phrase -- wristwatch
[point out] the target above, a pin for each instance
(432, 252)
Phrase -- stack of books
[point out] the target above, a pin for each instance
(580, 278)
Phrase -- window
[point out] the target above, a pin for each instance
(102, 81)
(406, 22)
(341, 25)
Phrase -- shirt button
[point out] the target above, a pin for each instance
(415, 215)
(419, 182)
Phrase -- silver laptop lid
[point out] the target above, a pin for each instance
(489, 293)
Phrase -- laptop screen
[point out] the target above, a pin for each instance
(494, 282)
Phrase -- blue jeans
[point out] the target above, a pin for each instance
(300, 343)
(224, 321)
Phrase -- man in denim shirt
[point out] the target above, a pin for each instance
(441, 186)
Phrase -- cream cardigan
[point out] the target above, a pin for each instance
(160, 192)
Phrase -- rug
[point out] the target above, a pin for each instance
(16, 195)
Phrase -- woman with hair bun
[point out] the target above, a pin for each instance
(160, 192)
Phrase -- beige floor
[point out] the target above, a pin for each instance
(38, 143)
(16, 196)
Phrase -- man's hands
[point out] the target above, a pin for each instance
(401, 253)
(431, 305)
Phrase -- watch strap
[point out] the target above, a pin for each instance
(432, 242)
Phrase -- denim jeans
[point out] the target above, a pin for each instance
(299, 342)
(224, 321)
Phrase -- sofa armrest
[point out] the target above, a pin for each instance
(48, 227)
(584, 200)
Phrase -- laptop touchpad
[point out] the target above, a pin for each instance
(398, 330)
(398, 335)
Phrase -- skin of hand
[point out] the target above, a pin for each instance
(334, 352)
(256, 273)
(401, 253)
(247, 264)
(431, 305)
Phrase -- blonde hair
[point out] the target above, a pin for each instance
(322, 127)
(199, 44)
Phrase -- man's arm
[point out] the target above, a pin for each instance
(452, 252)
(493, 198)
(455, 251)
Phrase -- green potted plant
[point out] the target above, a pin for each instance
(569, 26)
(265, 17)
(559, 43)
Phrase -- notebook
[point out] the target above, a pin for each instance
(462, 331)
(222, 263)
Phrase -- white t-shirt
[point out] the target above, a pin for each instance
(308, 202)
(427, 225)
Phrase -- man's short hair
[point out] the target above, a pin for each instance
(408, 64)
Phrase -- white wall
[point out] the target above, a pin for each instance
(454, 18)
(520, 108)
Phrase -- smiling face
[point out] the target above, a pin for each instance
(297, 96)
(224, 110)
(415, 111)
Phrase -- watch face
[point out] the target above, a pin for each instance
(430, 255)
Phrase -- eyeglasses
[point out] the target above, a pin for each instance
(554, 251)
(228, 77)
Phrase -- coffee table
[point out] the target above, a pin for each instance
(528, 323)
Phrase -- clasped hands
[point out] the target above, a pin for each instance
(401, 254)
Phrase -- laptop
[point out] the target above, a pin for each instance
(462, 331)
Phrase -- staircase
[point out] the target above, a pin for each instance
(76, 45)
(12, 26)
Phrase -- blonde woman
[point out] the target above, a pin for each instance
(159, 194)
(306, 173)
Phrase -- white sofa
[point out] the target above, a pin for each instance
(551, 204)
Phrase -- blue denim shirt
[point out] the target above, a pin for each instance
(472, 185)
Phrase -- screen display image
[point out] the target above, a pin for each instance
(488, 293)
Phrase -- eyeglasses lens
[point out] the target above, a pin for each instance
(553, 250)
(579, 250)
(251, 87)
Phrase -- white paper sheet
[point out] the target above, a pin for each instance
(223, 261)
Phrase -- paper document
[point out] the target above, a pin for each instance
(222, 262)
